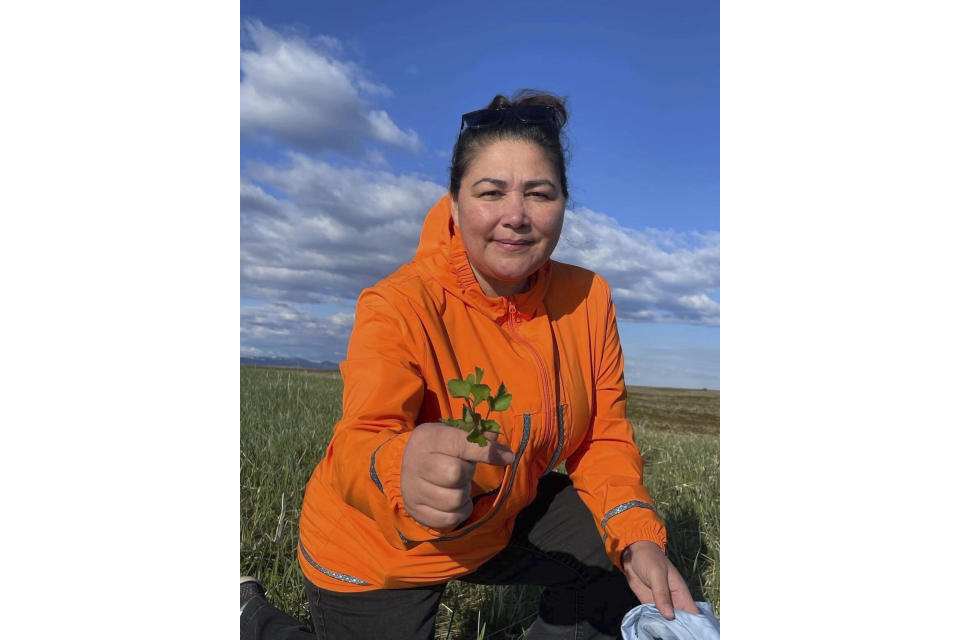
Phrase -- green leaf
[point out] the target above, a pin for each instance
(480, 393)
(479, 374)
(464, 425)
(470, 379)
(490, 425)
(459, 388)
(501, 403)
(477, 437)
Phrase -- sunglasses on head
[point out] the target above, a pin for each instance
(537, 114)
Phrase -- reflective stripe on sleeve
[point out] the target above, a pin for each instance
(623, 507)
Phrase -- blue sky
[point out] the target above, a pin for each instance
(348, 115)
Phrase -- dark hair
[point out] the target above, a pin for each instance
(551, 141)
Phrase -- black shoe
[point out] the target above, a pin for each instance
(249, 587)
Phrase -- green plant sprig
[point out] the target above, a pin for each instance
(473, 393)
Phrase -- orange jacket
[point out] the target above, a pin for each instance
(557, 350)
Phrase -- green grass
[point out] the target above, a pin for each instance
(286, 419)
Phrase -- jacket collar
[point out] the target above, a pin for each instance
(442, 256)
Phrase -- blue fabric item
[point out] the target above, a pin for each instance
(646, 623)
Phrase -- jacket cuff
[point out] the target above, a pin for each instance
(631, 522)
(400, 528)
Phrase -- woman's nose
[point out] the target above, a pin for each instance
(515, 212)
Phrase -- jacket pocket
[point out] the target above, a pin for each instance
(548, 440)
(560, 437)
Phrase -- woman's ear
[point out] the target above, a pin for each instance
(455, 212)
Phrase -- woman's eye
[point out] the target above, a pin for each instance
(538, 194)
(487, 194)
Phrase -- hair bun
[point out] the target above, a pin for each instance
(532, 96)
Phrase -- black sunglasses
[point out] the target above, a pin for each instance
(537, 114)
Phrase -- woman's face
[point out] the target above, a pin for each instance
(510, 213)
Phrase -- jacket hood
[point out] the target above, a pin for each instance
(442, 257)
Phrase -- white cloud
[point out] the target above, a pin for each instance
(656, 275)
(280, 329)
(335, 232)
(301, 93)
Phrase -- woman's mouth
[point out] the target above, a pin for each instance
(512, 245)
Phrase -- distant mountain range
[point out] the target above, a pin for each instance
(293, 363)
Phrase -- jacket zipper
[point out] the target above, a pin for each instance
(544, 381)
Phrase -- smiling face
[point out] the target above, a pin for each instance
(510, 212)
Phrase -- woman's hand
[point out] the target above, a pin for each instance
(653, 578)
(437, 468)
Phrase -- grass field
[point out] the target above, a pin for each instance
(286, 419)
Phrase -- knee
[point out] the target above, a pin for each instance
(553, 483)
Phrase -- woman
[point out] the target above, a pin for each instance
(403, 503)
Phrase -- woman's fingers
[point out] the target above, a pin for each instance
(653, 578)
(437, 519)
(679, 593)
(446, 471)
(660, 588)
(639, 589)
(443, 498)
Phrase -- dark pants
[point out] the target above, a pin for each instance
(555, 545)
